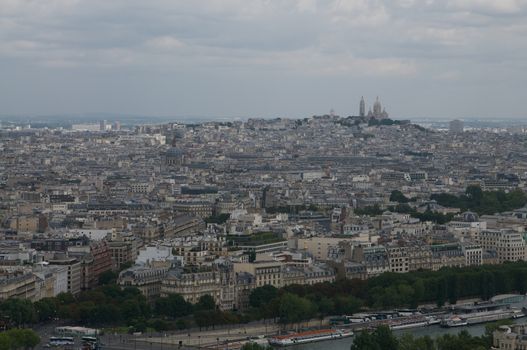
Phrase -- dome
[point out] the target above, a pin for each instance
(469, 216)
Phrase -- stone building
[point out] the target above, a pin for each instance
(145, 278)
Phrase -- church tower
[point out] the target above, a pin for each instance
(362, 107)
(377, 108)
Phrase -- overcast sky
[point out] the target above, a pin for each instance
(264, 58)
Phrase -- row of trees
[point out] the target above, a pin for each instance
(389, 290)
(295, 303)
(483, 202)
(404, 208)
(105, 304)
(112, 305)
(217, 219)
(449, 284)
(384, 339)
(399, 197)
(385, 121)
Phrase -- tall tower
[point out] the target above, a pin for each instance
(456, 126)
(362, 107)
(377, 108)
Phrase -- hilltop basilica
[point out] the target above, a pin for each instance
(377, 113)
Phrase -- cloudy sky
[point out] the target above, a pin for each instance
(264, 58)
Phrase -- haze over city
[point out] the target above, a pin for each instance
(234, 58)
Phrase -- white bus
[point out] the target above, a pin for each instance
(61, 341)
(76, 331)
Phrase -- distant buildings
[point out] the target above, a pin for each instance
(456, 126)
(102, 125)
(239, 205)
(86, 127)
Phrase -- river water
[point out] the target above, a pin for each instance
(433, 331)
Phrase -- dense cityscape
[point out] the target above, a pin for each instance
(180, 228)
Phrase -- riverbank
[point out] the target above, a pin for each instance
(235, 336)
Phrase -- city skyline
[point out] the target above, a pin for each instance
(263, 59)
(252, 174)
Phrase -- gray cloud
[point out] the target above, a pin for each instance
(263, 57)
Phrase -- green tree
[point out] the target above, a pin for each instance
(326, 306)
(45, 309)
(5, 341)
(18, 311)
(205, 318)
(488, 285)
(107, 314)
(262, 295)
(406, 294)
(205, 302)
(419, 292)
(483, 202)
(385, 338)
(130, 309)
(366, 341)
(173, 306)
(22, 338)
(441, 292)
(453, 288)
(86, 311)
(293, 308)
(408, 342)
(65, 298)
(398, 196)
(107, 277)
(218, 219)
(347, 304)
(254, 346)
(461, 341)
(474, 193)
(520, 281)
(369, 210)
(159, 325)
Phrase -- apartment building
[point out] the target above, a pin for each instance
(473, 254)
(319, 247)
(17, 284)
(145, 278)
(123, 249)
(509, 245)
(264, 272)
(513, 337)
(74, 271)
(192, 284)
